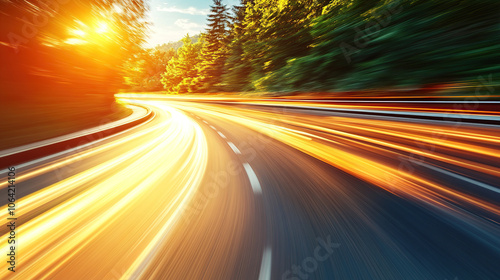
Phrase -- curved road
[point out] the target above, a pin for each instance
(216, 191)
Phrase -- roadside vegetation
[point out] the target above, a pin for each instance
(323, 46)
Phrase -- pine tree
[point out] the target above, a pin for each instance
(237, 69)
(276, 31)
(214, 51)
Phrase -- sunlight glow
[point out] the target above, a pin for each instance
(78, 32)
(117, 8)
(75, 41)
(84, 34)
(102, 27)
(96, 208)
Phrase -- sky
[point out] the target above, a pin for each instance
(172, 19)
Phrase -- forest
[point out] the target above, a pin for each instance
(319, 45)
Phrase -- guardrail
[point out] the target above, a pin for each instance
(43, 150)
(450, 116)
(453, 117)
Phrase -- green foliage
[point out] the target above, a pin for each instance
(182, 74)
(176, 45)
(237, 67)
(143, 71)
(214, 51)
(320, 45)
(276, 31)
(379, 44)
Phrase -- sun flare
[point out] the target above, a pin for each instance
(102, 27)
(75, 41)
(78, 32)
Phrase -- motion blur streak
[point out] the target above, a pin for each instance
(369, 148)
(232, 191)
(82, 155)
(134, 202)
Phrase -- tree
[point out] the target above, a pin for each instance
(276, 31)
(143, 70)
(214, 51)
(328, 60)
(397, 44)
(322, 45)
(237, 68)
(181, 74)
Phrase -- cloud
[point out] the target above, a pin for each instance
(190, 10)
(187, 25)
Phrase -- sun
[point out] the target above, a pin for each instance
(98, 32)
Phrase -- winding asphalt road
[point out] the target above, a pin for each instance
(222, 191)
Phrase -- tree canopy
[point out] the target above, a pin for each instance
(320, 45)
(68, 48)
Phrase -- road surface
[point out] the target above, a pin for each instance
(220, 191)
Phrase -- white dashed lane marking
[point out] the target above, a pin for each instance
(212, 127)
(254, 181)
(265, 266)
(221, 135)
(235, 149)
